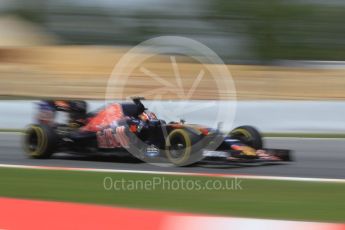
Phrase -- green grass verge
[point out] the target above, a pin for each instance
(258, 198)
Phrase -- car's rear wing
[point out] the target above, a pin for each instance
(47, 109)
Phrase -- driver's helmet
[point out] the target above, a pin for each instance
(147, 116)
(62, 105)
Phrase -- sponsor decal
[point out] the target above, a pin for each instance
(113, 138)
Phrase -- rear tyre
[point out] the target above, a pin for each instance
(183, 147)
(40, 141)
(248, 135)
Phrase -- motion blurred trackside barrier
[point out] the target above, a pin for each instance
(313, 117)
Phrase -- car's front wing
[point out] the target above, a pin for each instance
(233, 157)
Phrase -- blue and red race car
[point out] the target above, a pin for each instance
(130, 126)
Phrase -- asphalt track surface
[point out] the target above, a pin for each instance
(313, 158)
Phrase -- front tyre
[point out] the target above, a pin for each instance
(248, 135)
(40, 141)
(182, 147)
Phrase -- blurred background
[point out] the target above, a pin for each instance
(276, 49)
(237, 30)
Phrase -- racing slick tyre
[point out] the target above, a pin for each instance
(183, 147)
(248, 135)
(40, 141)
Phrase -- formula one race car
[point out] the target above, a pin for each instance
(132, 127)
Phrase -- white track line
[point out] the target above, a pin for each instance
(241, 176)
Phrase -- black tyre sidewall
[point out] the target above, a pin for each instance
(46, 141)
(192, 150)
(244, 132)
